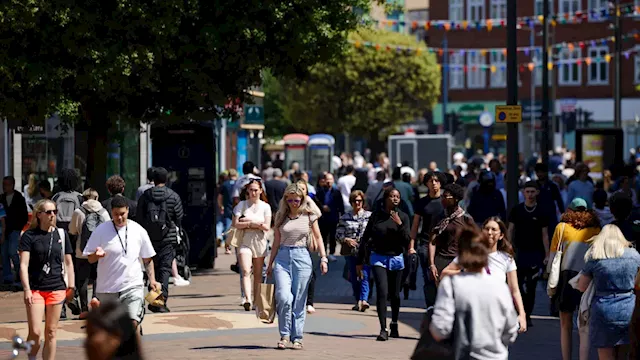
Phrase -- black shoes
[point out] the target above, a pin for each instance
(384, 336)
(394, 331)
(158, 309)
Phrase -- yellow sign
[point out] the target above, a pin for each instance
(508, 114)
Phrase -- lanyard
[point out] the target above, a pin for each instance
(126, 235)
(50, 247)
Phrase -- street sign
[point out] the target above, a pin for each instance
(508, 113)
(254, 114)
(486, 119)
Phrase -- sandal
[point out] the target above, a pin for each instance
(297, 345)
(282, 344)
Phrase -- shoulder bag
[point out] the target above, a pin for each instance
(312, 244)
(554, 272)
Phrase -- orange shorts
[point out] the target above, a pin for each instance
(49, 297)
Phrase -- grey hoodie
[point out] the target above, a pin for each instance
(75, 227)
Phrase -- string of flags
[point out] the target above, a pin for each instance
(580, 16)
(527, 50)
(536, 65)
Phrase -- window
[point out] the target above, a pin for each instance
(476, 70)
(599, 68)
(637, 66)
(456, 10)
(569, 6)
(498, 69)
(595, 8)
(539, 6)
(569, 72)
(418, 16)
(498, 9)
(475, 10)
(456, 71)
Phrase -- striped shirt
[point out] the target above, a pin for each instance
(295, 232)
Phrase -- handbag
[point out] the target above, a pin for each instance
(234, 235)
(266, 303)
(312, 244)
(554, 272)
(430, 349)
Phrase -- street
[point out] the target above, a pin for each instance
(206, 321)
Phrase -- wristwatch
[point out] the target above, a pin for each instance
(324, 260)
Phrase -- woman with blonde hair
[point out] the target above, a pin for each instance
(612, 264)
(31, 192)
(296, 234)
(302, 184)
(253, 215)
(47, 275)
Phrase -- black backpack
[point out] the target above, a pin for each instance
(156, 221)
(91, 221)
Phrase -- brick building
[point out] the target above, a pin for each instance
(582, 76)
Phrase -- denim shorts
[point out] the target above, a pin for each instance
(392, 263)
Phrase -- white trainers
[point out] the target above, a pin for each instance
(310, 309)
(180, 281)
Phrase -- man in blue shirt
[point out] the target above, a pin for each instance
(330, 202)
(225, 204)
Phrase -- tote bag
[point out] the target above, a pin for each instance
(554, 273)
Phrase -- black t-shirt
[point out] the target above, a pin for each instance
(275, 192)
(528, 228)
(428, 208)
(36, 242)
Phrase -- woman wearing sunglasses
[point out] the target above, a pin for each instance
(46, 272)
(296, 226)
(253, 215)
(349, 233)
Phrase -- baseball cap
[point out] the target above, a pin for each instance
(577, 204)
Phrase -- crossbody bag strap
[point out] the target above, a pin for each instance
(63, 242)
(561, 240)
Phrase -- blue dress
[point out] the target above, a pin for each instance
(614, 299)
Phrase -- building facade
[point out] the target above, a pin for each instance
(470, 38)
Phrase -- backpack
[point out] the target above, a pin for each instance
(91, 221)
(156, 220)
(67, 203)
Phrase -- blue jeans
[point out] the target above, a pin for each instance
(292, 272)
(10, 254)
(223, 224)
(360, 286)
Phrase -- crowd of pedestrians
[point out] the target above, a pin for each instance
(481, 263)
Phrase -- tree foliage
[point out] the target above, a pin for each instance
(367, 91)
(144, 60)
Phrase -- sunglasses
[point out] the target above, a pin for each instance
(50, 212)
(293, 201)
(255, 180)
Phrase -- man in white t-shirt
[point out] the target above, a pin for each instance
(345, 184)
(117, 247)
(247, 168)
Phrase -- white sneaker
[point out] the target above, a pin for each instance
(332, 258)
(310, 309)
(242, 301)
(180, 281)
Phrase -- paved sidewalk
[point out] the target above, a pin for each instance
(206, 321)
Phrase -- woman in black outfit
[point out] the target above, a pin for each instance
(387, 238)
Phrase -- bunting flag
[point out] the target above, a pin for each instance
(527, 50)
(606, 13)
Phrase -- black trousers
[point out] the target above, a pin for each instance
(328, 231)
(165, 253)
(312, 288)
(84, 271)
(388, 286)
(528, 277)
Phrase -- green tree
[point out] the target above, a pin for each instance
(99, 62)
(369, 91)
